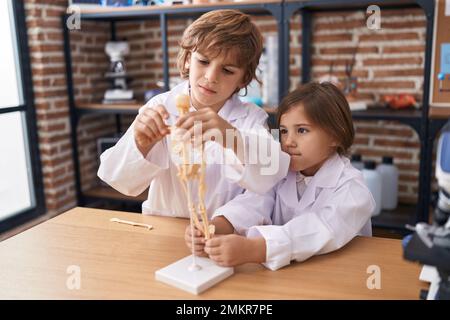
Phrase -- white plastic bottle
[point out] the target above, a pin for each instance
(357, 162)
(373, 182)
(389, 181)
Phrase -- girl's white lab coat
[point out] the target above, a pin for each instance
(335, 207)
(125, 169)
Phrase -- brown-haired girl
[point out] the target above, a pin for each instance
(321, 204)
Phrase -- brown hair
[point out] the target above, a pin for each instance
(326, 107)
(223, 30)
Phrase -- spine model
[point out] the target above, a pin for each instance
(189, 171)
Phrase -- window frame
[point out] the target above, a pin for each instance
(28, 108)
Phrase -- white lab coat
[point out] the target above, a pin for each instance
(335, 207)
(125, 169)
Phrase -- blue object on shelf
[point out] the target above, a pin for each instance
(441, 76)
(445, 58)
(117, 3)
(74, 2)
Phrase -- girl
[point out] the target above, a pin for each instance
(318, 207)
(219, 55)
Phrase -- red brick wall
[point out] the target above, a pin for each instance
(388, 61)
(89, 63)
(51, 100)
(48, 71)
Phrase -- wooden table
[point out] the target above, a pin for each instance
(118, 261)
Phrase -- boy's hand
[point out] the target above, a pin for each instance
(232, 250)
(199, 241)
(212, 125)
(213, 128)
(150, 127)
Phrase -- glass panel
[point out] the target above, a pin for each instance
(10, 88)
(15, 171)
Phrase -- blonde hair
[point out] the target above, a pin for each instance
(228, 31)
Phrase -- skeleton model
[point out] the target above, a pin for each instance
(203, 272)
(191, 168)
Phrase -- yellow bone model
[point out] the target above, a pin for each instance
(188, 171)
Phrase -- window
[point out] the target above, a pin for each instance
(21, 192)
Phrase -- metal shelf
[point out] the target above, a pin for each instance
(395, 219)
(140, 12)
(411, 117)
(386, 113)
(333, 5)
(122, 108)
(439, 113)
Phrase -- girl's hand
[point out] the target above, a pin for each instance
(199, 241)
(149, 128)
(232, 250)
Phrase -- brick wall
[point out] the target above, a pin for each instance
(89, 63)
(388, 61)
(51, 101)
(48, 72)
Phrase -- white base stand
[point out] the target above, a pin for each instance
(180, 274)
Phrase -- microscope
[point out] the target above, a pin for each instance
(116, 50)
(430, 244)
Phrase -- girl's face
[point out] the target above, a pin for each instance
(213, 80)
(308, 145)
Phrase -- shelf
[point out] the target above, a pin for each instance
(130, 12)
(127, 108)
(378, 113)
(439, 112)
(351, 4)
(385, 113)
(122, 108)
(411, 117)
(397, 218)
(108, 193)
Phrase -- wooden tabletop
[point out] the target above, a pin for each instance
(117, 261)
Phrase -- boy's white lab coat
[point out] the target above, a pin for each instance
(335, 207)
(125, 169)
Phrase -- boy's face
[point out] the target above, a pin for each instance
(308, 145)
(213, 80)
